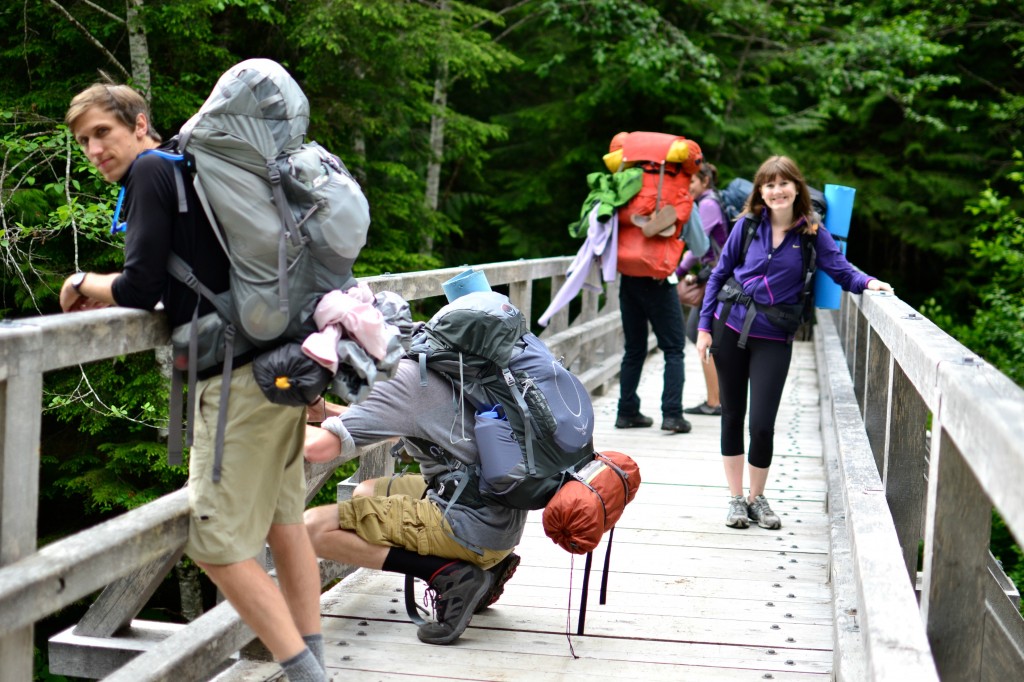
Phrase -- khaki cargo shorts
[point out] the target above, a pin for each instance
(402, 518)
(262, 476)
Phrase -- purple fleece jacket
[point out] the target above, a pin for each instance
(773, 276)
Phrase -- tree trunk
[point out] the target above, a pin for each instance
(190, 588)
(138, 46)
(437, 121)
(359, 147)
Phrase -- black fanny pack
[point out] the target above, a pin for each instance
(787, 317)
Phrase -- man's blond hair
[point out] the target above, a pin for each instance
(122, 101)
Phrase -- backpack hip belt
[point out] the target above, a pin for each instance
(785, 316)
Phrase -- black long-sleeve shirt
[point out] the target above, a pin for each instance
(155, 229)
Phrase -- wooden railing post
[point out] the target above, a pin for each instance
(905, 467)
(858, 363)
(957, 530)
(851, 317)
(21, 399)
(876, 400)
(521, 295)
(560, 320)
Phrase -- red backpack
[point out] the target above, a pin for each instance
(668, 162)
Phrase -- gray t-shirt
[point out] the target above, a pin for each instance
(434, 413)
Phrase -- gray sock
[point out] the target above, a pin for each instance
(316, 645)
(303, 668)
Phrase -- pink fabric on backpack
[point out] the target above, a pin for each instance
(349, 314)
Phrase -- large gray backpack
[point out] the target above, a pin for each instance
(288, 214)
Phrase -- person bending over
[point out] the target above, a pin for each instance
(463, 552)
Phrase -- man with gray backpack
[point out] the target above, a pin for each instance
(246, 479)
(497, 426)
(410, 524)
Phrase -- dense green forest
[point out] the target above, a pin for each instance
(472, 127)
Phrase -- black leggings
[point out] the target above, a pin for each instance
(763, 365)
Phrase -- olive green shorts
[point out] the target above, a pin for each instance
(262, 475)
(403, 518)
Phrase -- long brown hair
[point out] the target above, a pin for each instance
(783, 167)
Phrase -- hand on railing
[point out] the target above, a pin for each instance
(879, 285)
(87, 291)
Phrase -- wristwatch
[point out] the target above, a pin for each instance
(76, 280)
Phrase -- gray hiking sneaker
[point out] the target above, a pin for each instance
(763, 514)
(455, 593)
(502, 571)
(737, 516)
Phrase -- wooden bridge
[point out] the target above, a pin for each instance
(893, 445)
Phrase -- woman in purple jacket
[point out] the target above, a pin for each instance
(771, 274)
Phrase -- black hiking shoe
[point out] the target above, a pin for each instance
(454, 593)
(501, 571)
(704, 408)
(637, 421)
(676, 424)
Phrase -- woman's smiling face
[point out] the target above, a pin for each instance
(779, 194)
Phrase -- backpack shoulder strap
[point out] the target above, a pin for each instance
(809, 249)
(750, 229)
(181, 271)
(808, 243)
(179, 182)
(714, 195)
(179, 177)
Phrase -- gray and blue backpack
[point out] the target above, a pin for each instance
(534, 418)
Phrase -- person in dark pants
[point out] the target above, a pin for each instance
(644, 300)
(757, 352)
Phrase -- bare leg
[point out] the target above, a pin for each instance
(260, 604)
(711, 382)
(297, 574)
(758, 479)
(734, 474)
(343, 546)
(365, 488)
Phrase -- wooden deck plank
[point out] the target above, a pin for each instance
(486, 653)
(688, 598)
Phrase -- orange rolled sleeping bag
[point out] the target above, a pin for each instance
(586, 507)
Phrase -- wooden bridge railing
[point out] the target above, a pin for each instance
(921, 440)
(128, 556)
